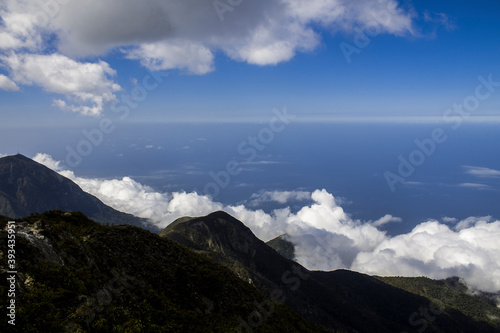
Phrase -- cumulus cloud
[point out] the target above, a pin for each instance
(386, 219)
(165, 35)
(260, 32)
(435, 250)
(346, 15)
(324, 235)
(48, 161)
(471, 221)
(191, 57)
(86, 84)
(19, 28)
(131, 197)
(7, 84)
(449, 220)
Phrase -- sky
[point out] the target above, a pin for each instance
(68, 62)
(74, 66)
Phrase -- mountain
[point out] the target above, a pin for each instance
(228, 241)
(28, 187)
(283, 246)
(480, 306)
(76, 275)
(340, 300)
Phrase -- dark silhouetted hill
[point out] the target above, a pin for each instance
(75, 275)
(27, 187)
(340, 300)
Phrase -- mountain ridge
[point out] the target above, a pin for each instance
(77, 275)
(207, 273)
(337, 299)
(28, 187)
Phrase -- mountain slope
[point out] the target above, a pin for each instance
(75, 274)
(478, 305)
(341, 300)
(283, 246)
(229, 241)
(28, 187)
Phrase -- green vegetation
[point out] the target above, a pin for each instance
(77, 275)
(341, 300)
(451, 293)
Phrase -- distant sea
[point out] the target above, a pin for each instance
(349, 160)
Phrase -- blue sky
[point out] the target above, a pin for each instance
(427, 57)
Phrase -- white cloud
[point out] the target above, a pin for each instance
(260, 32)
(273, 43)
(192, 57)
(434, 250)
(482, 172)
(325, 236)
(386, 219)
(88, 85)
(48, 161)
(7, 84)
(475, 186)
(471, 221)
(165, 35)
(131, 197)
(281, 197)
(346, 15)
(19, 28)
(449, 220)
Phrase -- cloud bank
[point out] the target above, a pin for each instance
(54, 44)
(325, 236)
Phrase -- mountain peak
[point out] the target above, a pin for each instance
(283, 246)
(17, 157)
(28, 187)
(220, 214)
(217, 231)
